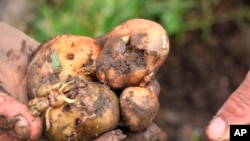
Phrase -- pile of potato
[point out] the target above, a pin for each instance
(83, 87)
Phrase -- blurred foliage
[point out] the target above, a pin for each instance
(85, 17)
(94, 18)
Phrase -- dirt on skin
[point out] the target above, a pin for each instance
(197, 78)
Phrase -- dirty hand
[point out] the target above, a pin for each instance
(236, 110)
(16, 120)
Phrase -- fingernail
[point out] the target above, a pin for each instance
(216, 128)
(21, 127)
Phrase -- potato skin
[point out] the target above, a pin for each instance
(97, 111)
(139, 107)
(132, 50)
(60, 57)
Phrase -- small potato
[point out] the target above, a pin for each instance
(131, 51)
(60, 57)
(139, 107)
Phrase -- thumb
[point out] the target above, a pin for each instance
(236, 110)
(17, 120)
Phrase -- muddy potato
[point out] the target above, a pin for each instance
(150, 134)
(60, 57)
(95, 111)
(131, 53)
(139, 107)
(60, 90)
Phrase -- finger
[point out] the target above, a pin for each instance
(12, 78)
(15, 50)
(236, 110)
(21, 123)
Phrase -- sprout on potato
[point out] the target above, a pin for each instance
(95, 112)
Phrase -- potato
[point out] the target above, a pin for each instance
(60, 57)
(150, 134)
(95, 112)
(61, 91)
(131, 53)
(139, 107)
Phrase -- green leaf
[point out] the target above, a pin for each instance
(55, 61)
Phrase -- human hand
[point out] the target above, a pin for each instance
(16, 120)
(236, 110)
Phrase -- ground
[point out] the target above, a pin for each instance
(197, 78)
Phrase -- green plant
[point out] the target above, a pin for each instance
(94, 18)
(91, 18)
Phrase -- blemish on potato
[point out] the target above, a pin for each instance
(66, 108)
(48, 58)
(77, 122)
(70, 56)
(89, 63)
(72, 45)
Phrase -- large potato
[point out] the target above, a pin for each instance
(60, 57)
(131, 53)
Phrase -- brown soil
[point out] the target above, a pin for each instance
(197, 78)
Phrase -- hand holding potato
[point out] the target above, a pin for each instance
(17, 121)
(65, 79)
